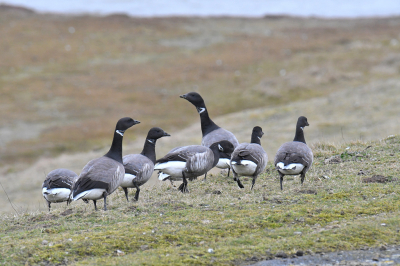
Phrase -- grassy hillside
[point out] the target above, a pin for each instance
(66, 80)
(350, 199)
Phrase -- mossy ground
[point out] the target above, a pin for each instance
(333, 210)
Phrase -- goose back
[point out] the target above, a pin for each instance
(294, 152)
(246, 154)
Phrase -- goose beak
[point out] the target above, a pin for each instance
(183, 96)
(166, 134)
(135, 122)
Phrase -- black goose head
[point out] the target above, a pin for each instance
(195, 99)
(302, 122)
(256, 134)
(125, 123)
(156, 133)
(223, 146)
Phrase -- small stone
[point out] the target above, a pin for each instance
(375, 259)
(210, 250)
(383, 224)
(297, 233)
(281, 254)
(119, 252)
(45, 242)
(299, 253)
(383, 248)
(144, 247)
(51, 244)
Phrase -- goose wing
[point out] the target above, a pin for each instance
(138, 165)
(103, 173)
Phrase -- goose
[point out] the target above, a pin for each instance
(102, 176)
(57, 185)
(211, 132)
(191, 161)
(139, 167)
(295, 157)
(249, 159)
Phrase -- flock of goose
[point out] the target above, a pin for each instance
(219, 148)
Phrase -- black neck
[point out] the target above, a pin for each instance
(207, 125)
(115, 151)
(299, 135)
(255, 139)
(149, 149)
(215, 150)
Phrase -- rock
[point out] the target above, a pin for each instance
(299, 253)
(210, 250)
(119, 252)
(281, 254)
(45, 242)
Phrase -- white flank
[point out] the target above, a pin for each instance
(223, 163)
(56, 194)
(93, 194)
(290, 169)
(127, 182)
(246, 168)
(172, 168)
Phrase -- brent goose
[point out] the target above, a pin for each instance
(295, 157)
(102, 176)
(140, 167)
(211, 132)
(249, 159)
(189, 162)
(57, 185)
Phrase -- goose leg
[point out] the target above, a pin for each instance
(105, 200)
(172, 182)
(126, 193)
(281, 178)
(236, 178)
(183, 186)
(205, 177)
(137, 191)
(95, 207)
(229, 170)
(253, 182)
(302, 176)
(48, 202)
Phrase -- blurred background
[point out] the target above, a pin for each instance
(69, 70)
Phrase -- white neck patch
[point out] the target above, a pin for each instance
(259, 138)
(302, 128)
(151, 141)
(120, 132)
(220, 147)
(200, 109)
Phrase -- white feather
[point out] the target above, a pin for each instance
(127, 182)
(290, 169)
(246, 168)
(223, 163)
(162, 176)
(172, 168)
(92, 194)
(56, 194)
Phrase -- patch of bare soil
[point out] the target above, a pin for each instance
(378, 179)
